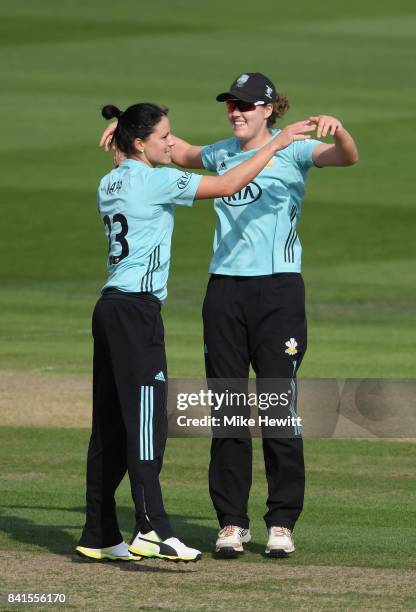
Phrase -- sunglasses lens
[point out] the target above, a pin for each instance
(243, 107)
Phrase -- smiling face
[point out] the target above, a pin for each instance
(157, 148)
(250, 127)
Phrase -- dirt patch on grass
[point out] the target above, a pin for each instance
(209, 585)
(48, 400)
(40, 400)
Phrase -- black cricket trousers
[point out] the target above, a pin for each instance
(248, 320)
(129, 423)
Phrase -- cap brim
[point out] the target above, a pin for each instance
(223, 97)
(229, 95)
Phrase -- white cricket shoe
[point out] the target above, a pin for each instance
(230, 541)
(119, 552)
(280, 542)
(149, 545)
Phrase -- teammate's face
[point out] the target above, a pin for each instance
(250, 124)
(157, 148)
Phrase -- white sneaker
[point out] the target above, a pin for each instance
(151, 546)
(230, 541)
(120, 552)
(280, 542)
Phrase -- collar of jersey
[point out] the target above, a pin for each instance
(133, 163)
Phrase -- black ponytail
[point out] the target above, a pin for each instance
(110, 112)
(137, 121)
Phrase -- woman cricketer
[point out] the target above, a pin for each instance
(254, 309)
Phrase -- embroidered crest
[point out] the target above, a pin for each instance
(291, 347)
(242, 80)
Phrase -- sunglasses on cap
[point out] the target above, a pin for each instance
(242, 106)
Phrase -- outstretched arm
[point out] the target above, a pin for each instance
(343, 152)
(235, 179)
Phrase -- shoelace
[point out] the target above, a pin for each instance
(279, 531)
(227, 531)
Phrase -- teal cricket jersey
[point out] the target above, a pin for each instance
(137, 204)
(255, 230)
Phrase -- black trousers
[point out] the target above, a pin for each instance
(129, 424)
(248, 320)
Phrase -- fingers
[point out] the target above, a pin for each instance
(325, 124)
(287, 136)
(104, 138)
(109, 145)
(300, 126)
(107, 136)
(330, 125)
(322, 128)
(335, 126)
(308, 128)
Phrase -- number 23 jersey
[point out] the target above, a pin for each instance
(255, 231)
(137, 204)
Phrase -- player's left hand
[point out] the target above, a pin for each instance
(325, 124)
(107, 137)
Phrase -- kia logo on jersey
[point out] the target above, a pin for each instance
(247, 195)
(183, 180)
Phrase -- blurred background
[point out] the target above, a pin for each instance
(60, 62)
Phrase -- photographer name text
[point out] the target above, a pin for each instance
(238, 421)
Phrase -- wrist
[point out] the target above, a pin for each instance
(340, 133)
(274, 147)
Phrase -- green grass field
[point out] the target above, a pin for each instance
(355, 494)
(60, 63)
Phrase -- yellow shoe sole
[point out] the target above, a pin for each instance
(88, 553)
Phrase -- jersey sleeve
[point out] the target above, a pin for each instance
(209, 157)
(302, 152)
(171, 186)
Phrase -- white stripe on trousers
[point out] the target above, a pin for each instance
(146, 423)
(292, 407)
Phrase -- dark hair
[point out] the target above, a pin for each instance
(280, 107)
(137, 121)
